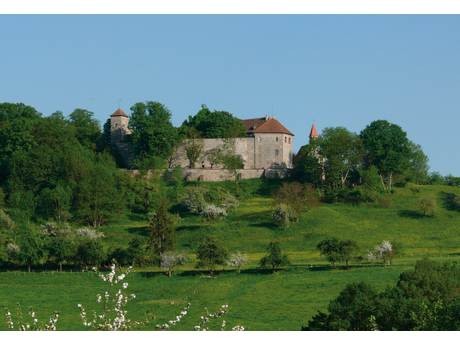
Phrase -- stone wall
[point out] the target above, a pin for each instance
(220, 174)
(240, 146)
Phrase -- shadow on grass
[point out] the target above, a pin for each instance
(143, 231)
(410, 214)
(137, 217)
(268, 225)
(192, 227)
(450, 201)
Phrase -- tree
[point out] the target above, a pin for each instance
(307, 165)
(90, 253)
(170, 260)
(297, 196)
(275, 258)
(237, 260)
(425, 298)
(384, 251)
(210, 253)
(153, 134)
(31, 249)
(56, 202)
(61, 249)
(214, 124)
(354, 310)
(87, 129)
(387, 147)
(417, 170)
(193, 150)
(347, 249)
(342, 153)
(98, 198)
(330, 248)
(232, 163)
(162, 229)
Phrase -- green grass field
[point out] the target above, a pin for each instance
(258, 300)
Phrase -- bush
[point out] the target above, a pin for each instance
(213, 212)
(427, 206)
(283, 216)
(210, 203)
(384, 201)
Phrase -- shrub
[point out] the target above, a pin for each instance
(283, 215)
(427, 206)
(213, 212)
(89, 233)
(384, 201)
(210, 203)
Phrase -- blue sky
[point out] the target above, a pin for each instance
(334, 70)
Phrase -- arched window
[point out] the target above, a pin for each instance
(277, 152)
(276, 139)
(285, 139)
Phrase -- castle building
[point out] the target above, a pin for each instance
(266, 150)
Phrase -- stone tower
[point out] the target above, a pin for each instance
(119, 126)
(119, 131)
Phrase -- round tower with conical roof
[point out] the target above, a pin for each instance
(119, 122)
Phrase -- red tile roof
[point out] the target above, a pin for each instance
(265, 125)
(119, 112)
(313, 132)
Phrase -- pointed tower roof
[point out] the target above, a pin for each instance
(119, 112)
(313, 132)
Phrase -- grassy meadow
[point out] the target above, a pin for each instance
(259, 300)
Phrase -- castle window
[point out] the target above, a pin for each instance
(276, 139)
(285, 139)
(277, 152)
(289, 140)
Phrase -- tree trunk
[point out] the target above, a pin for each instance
(60, 267)
(29, 268)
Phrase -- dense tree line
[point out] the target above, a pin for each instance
(426, 298)
(345, 165)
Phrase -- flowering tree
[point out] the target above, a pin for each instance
(113, 315)
(170, 260)
(237, 260)
(30, 321)
(384, 251)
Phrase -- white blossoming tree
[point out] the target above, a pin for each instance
(113, 314)
(237, 260)
(29, 321)
(384, 251)
(170, 260)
